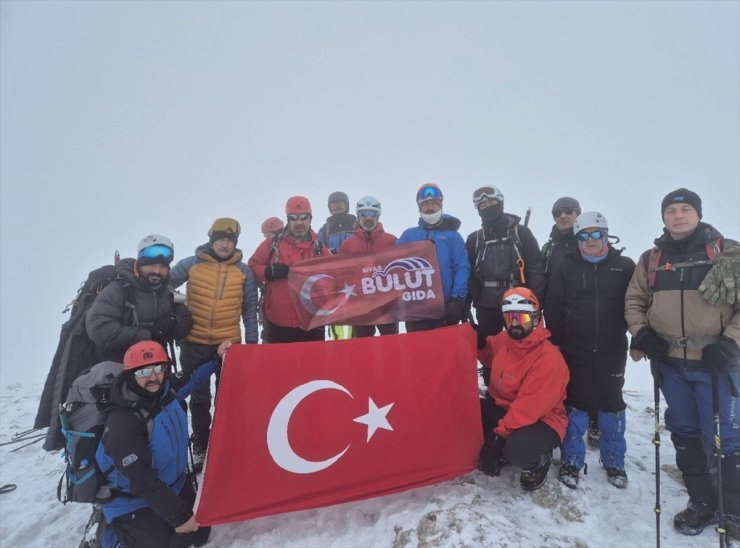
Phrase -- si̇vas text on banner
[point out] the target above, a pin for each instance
(396, 284)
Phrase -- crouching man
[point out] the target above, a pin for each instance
(145, 447)
(523, 414)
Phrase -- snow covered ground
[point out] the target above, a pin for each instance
(473, 510)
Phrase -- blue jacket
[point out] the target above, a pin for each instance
(148, 458)
(451, 254)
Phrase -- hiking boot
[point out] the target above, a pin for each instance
(694, 518)
(593, 435)
(617, 477)
(534, 478)
(199, 457)
(568, 476)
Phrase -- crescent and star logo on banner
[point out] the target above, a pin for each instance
(277, 430)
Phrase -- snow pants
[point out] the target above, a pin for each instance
(612, 445)
(193, 355)
(526, 446)
(145, 529)
(689, 418)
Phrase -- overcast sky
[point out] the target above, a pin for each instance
(119, 119)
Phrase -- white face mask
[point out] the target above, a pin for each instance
(431, 218)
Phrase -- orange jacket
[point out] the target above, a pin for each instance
(528, 379)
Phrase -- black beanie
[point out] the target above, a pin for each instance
(217, 235)
(681, 196)
(566, 202)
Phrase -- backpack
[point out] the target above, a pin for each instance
(75, 353)
(512, 236)
(652, 261)
(82, 417)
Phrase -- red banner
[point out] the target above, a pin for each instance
(305, 425)
(395, 284)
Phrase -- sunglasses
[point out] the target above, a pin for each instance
(521, 317)
(367, 213)
(595, 235)
(558, 212)
(154, 251)
(429, 193)
(145, 372)
(299, 217)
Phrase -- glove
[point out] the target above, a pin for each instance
(647, 341)
(163, 328)
(276, 271)
(723, 354)
(455, 312)
(722, 282)
(491, 454)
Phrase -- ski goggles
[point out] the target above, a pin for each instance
(144, 372)
(367, 213)
(521, 318)
(155, 251)
(483, 194)
(558, 212)
(428, 193)
(298, 216)
(595, 235)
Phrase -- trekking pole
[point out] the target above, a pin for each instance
(526, 217)
(173, 357)
(656, 440)
(718, 454)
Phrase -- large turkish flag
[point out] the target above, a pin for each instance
(305, 425)
(398, 283)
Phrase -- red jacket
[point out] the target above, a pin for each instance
(278, 306)
(528, 379)
(368, 241)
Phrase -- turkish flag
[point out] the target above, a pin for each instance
(398, 283)
(305, 425)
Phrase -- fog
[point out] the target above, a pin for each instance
(119, 119)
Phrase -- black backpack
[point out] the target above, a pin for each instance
(82, 418)
(75, 353)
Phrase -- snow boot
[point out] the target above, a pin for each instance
(534, 478)
(617, 477)
(568, 476)
(694, 518)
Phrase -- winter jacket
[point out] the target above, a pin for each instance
(219, 291)
(528, 379)
(674, 308)
(451, 255)
(368, 241)
(337, 229)
(278, 306)
(149, 462)
(493, 251)
(557, 247)
(584, 307)
(125, 310)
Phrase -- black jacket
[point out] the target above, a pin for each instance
(584, 307)
(125, 310)
(557, 247)
(492, 251)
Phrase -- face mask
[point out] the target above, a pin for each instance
(431, 218)
(492, 213)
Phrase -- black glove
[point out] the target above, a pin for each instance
(163, 328)
(276, 271)
(491, 454)
(646, 340)
(724, 354)
(455, 312)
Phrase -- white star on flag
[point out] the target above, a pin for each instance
(349, 290)
(375, 418)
